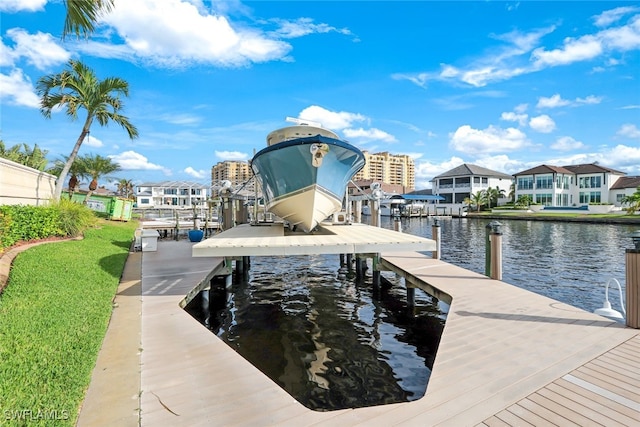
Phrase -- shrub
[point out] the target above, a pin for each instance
(24, 223)
(74, 217)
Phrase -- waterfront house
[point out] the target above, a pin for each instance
(171, 194)
(461, 182)
(572, 185)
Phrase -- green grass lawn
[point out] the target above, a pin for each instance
(53, 317)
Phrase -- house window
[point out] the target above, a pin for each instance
(545, 199)
(589, 182)
(525, 183)
(562, 200)
(619, 198)
(590, 197)
(544, 181)
(144, 201)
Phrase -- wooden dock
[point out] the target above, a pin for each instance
(508, 357)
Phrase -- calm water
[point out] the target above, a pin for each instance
(323, 338)
(569, 262)
(332, 344)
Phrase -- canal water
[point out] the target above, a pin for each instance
(567, 261)
(330, 342)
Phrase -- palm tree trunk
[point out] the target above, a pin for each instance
(72, 157)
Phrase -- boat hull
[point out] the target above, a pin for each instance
(304, 180)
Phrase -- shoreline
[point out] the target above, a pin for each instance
(587, 219)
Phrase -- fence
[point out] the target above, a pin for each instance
(22, 185)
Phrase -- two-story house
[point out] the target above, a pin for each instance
(170, 193)
(461, 182)
(572, 185)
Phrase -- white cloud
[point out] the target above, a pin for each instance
(195, 173)
(302, 27)
(92, 141)
(623, 156)
(514, 117)
(629, 131)
(40, 49)
(130, 160)
(12, 6)
(180, 119)
(426, 170)
(522, 53)
(490, 140)
(173, 33)
(556, 101)
(542, 124)
(331, 119)
(567, 143)
(231, 155)
(366, 135)
(573, 50)
(552, 102)
(16, 88)
(610, 16)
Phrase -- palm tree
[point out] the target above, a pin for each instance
(75, 171)
(512, 192)
(633, 200)
(95, 166)
(125, 188)
(83, 14)
(493, 194)
(78, 88)
(479, 199)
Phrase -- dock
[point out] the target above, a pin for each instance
(507, 357)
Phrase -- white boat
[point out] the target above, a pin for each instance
(304, 172)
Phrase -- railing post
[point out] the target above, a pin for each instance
(436, 235)
(632, 291)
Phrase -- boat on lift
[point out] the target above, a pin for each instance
(304, 172)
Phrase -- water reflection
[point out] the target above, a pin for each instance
(327, 341)
(566, 261)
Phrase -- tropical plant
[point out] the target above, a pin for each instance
(493, 194)
(75, 171)
(512, 192)
(524, 201)
(82, 15)
(478, 199)
(75, 88)
(125, 188)
(35, 157)
(95, 166)
(633, 200)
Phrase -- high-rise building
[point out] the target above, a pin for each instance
(232, 170)
(394, 169)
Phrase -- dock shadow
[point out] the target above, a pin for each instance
(539, 319)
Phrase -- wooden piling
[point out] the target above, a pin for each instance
(632, 267)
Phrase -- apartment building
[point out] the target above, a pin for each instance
(573, 185)
(392, 169)
(170, 193)
(238, 172)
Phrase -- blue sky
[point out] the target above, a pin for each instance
(500, 84)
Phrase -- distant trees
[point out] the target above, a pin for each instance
(96, 167)
(75, 88)
(125, 188)
(35, 157)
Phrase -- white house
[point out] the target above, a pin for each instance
(573, 185)
(171, 194)
(461, 182)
